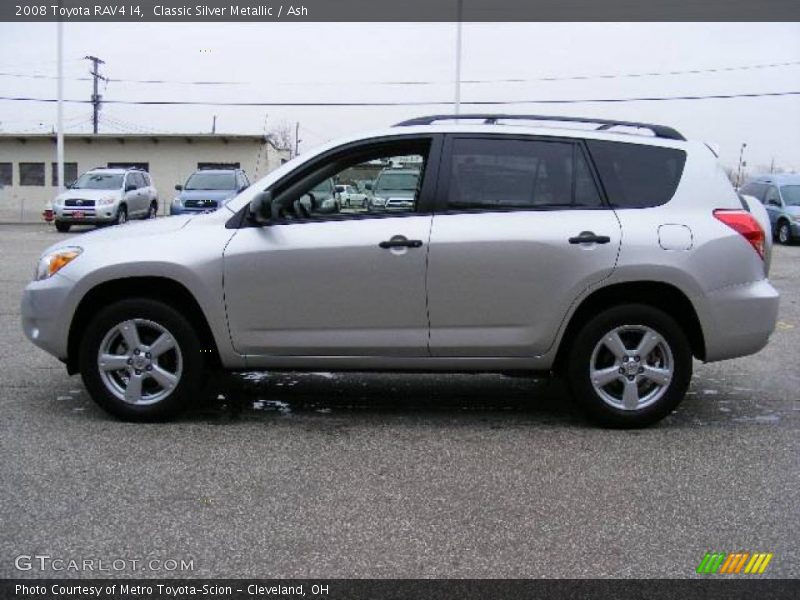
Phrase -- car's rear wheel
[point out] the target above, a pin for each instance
(629, 366)
(63, 227)
(152, 212)
(140, 360)
(784, 233)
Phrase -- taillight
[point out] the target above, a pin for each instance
(743, 223)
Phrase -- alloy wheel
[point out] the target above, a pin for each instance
(140, 362)
(631, 367)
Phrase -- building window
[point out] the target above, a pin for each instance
(31, 173)
(5, 174)
(129, 165)
(213, 165)
(70, 173)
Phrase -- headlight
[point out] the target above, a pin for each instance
(52, 263)
(176, 200)
(106, 201)
(796, 217)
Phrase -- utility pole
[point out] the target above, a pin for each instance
(741, 164)
(772, 165)
(214, 125)
(95, 96)
(458, 57)
(60, 109)
(297, 139)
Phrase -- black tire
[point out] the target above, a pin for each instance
(192, 378)
(784, 233)
(63, 227)
(582, 353)
(122, 215)
(152, 212)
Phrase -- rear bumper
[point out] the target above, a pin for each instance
(740, 319)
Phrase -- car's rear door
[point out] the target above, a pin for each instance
(521, 230)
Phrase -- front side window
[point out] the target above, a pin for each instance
(31, 173)
(211, 181)
(756, 190)
(791, 195)
(98, 181)
(495, 174)
(395, 171)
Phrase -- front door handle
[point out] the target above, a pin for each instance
(399, 241)
(589, 237)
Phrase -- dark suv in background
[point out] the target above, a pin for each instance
(207, 190)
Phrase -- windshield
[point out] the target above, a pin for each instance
(791, 195)
(397, 181)
(98, 181)
(211, 181)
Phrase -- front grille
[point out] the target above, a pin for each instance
(78, 202)
(200, 204)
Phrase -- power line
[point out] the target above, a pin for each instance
(639, 74)
(411, 103)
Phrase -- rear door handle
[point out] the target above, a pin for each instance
(589, 237)
(400, 241)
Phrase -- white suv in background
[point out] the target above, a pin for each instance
(106, 196)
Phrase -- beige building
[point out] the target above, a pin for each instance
(28, 163)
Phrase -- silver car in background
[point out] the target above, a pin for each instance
(606, 256)
(104, 197)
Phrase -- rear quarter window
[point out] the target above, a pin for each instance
(636, 175)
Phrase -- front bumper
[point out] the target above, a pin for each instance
(89, 214)
(45, 318)
(741, 318)
(185, 210)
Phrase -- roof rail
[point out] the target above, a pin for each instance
(661, 131)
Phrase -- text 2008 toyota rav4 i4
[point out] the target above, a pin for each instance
(608, 256)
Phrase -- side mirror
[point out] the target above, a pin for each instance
(130, 188)
(260, 210)
(179, 187)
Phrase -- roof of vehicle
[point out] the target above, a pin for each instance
(776, 178)
(115, 170)
(216, 171)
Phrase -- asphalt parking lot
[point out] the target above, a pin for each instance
(327, 475)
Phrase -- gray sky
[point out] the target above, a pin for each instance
(337, 62)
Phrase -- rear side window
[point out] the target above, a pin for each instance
(755, 189)
(635, 175)
(502, 174)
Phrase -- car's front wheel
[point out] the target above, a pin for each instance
(629, 366)
(63, 227)
(122, 215)
(140, 360)
(784, 233)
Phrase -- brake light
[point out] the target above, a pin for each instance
(743, 223)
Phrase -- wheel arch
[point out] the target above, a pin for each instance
(663, 296)
(163, 289)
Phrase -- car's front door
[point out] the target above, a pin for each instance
(520, 232)
(344, 284)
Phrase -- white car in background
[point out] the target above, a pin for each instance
(349, 196)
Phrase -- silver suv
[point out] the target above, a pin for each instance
(106, 196)
(603, 255)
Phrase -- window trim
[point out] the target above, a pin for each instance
(427, 194)
(445, 174)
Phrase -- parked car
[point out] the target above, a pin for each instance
(322, 199)
(349, 195)
(394, 189)
(780, 194)
(106, 196)
(608, 258)
(208, 189)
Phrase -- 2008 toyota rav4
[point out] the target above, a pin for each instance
(611, 258)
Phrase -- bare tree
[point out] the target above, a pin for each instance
(281, 136)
